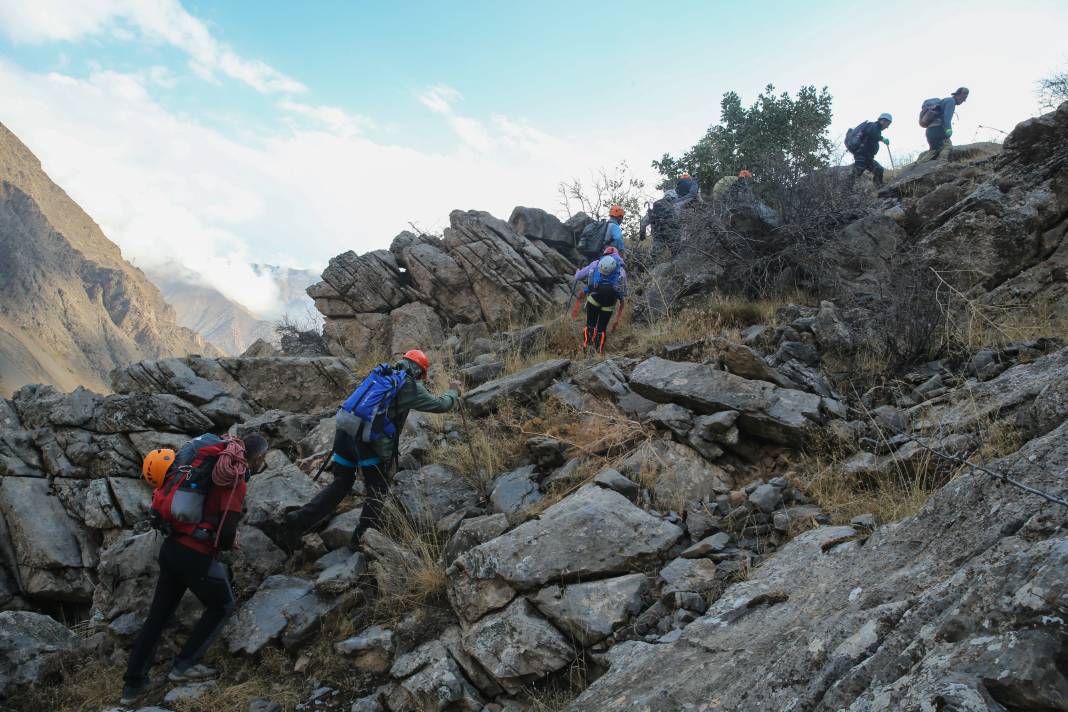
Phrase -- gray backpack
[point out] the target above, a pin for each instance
(930, 111)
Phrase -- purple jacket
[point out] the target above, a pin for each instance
(589, 269)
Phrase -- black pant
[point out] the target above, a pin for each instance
(936, 137)
(597, 319)
(181, 568)
(376, 483)
(868, 163)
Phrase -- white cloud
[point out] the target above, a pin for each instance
(156, 21)
(165, 187)
(440, 98)
(332, 118)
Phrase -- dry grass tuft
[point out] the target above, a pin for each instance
(418, 578)
(488, 446)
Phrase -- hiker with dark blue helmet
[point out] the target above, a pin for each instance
(367, 443)
(936, 116)
(607, 287)
(863, 142)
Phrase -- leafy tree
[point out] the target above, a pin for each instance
(779, 138)
(1053, 90)
(607, 188)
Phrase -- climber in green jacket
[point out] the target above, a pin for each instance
(365, 441)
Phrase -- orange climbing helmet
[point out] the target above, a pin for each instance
(154, 468)
(685, 175)
(418, 358)
(744, 174)
(616, 211)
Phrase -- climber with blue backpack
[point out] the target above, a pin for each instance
(197, 503)
(366, 434)
(607, 286)
(863, 142)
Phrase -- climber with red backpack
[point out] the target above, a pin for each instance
(606, 288)
(366, 434)
(936, 116)
(197, 503)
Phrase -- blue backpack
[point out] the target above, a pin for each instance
(605, 287)
(370, 402)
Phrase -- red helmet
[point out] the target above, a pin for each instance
(611, 250)
(418, 358)
(616, 211)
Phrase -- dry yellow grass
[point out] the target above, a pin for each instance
(419, 578)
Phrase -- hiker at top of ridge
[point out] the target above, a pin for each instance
(601, 233)
(606, 288)
(197, 502)
(366, 434)
(863, 142)
(661, 217)
(615, 228)
(685, 185)
(686, 190)
(936, 116)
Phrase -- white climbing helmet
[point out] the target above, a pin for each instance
(607, 265)
(886, 116)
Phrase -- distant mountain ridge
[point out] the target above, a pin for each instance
(71, 308)
(226, 324)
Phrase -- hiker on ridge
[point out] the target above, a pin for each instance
(684, 186)
(614, 234)
(366, 434)
(863, 142)
(936, 115)
(188, 558)
(607, 287)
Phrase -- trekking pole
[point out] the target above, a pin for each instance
(571, 298)
(326, 461)
(467, 436)
(892, 167)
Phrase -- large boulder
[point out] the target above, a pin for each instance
(782, 415)
(590, 612)
(526, 384)
(517, 646)
(127, 571)
(594, 532)
(32, 646)
(53, 555)
(675, 473)
(274, 492)
(433, 492)
(284, 607)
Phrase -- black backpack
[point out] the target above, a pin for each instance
(593, 238)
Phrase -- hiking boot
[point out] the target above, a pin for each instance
(193, 673)
(132, 695)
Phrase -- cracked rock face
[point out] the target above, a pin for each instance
(952, 604)
(482, 271)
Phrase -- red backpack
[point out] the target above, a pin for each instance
(178, 504)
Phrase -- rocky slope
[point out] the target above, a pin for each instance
(71, 309)
(646, 533)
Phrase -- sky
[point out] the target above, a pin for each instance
(223, 134)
